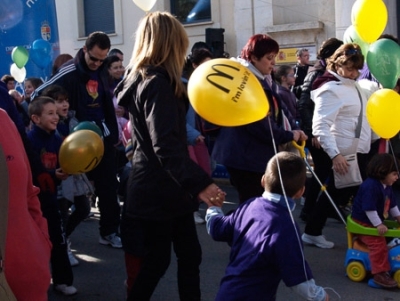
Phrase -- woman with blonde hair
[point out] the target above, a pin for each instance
(165, 185)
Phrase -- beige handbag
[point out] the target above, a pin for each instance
(5, 291)
(353, 175)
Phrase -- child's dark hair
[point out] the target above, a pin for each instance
(36, 106)
(293, 171)
(55, 91)
(381, 165)
(282, 70)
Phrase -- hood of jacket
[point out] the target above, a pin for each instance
(328, 76)
(250, 66)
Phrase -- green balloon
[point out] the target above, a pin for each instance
(20, 56)
(383, 60)
(87, 125)
(351, 36)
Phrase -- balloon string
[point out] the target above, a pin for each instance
(394, 157)
(286, 200)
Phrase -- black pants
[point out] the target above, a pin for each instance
(106, 184)
(82, 209)
(322, 168)
(61, 270)
(152, 244)
(323, 207)
(247, 183)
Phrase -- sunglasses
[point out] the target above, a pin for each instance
(351, 52)
(94, 59)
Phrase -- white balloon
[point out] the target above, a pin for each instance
(19, 74)
(145, 5)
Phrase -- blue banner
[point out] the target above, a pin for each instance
(31, 24)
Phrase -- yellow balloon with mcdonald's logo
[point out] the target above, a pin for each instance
(226, 93)
(80, 152)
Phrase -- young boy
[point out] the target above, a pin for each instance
(46, 144)
(73, 190)
(265, 242)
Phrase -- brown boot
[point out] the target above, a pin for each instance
(384, 279)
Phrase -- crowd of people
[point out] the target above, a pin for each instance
(171, 157)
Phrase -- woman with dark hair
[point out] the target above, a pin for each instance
(306, 111)
(245, 150)
(339, 108)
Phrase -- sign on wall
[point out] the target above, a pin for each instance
(288, 55)
(23, 22)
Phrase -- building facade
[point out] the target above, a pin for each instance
(293, 23)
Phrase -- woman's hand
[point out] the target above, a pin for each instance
(299, 135)
(200, 139)
(212, 195)
(340, 165)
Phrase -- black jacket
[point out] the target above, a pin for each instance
(305, 104)
(73, 76)
(164, 181)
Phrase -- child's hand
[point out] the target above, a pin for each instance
(382, 229)
(61, 175)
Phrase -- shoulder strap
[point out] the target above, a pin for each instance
(359, 124)
(5, 291)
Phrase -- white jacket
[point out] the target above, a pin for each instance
(337, 107)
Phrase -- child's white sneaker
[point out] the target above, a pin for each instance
(65, 289)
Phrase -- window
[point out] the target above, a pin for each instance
(99, 16)
(191, 11)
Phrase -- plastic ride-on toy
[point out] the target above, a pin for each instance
(357, 262)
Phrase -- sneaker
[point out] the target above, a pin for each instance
(320, 241)
(72, 259)
(197, 218)
(384, 279)
(65, 289)
(113, 240)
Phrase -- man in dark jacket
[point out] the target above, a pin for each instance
(301, 70)
(85, 79)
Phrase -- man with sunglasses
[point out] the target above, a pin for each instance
(86, 81)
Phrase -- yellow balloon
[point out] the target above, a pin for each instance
(80, 152)
(226, 93)
(383, 111)
(369, 18)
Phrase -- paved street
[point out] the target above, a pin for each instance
(101, 272)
